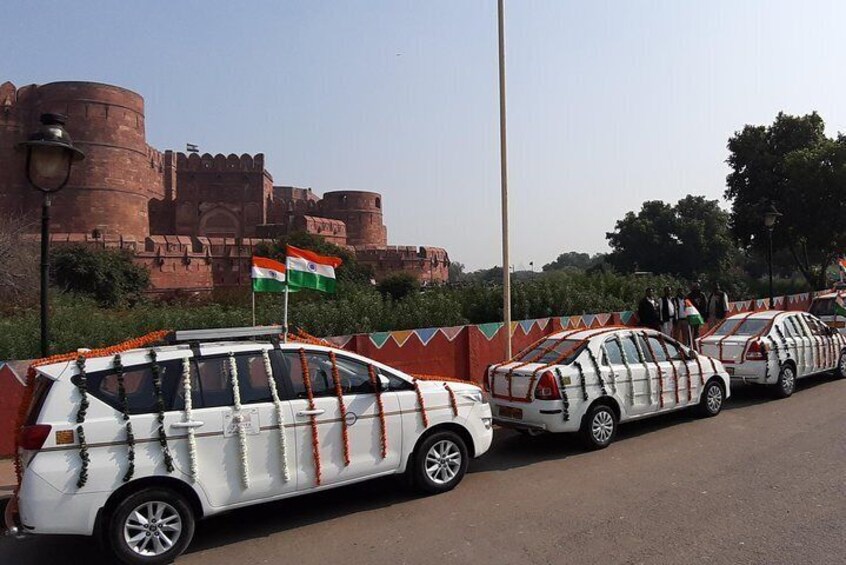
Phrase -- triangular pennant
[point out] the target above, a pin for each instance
(588, 319)
(542, 323)
(401, 336)
(379, 338)
(564, 321)
(761, 303)
(514, 327)
(527, 326)
(778, 300)
(626, 316)
(490, 329)
(452, 332)
(425, 335)
(603, 319)
(339, 340)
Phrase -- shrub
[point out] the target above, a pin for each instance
(398, 285)
(107, 275)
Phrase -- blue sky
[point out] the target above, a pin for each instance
(609, 103)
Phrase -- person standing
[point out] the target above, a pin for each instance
(667, 312)
(681, 327)
(647, 311)
(718, 304)
(700, 302)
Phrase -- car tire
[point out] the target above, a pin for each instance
(712, 399)
(841, 366)
(439, 462)
(127, 521)
(599, 427)
(786, 383)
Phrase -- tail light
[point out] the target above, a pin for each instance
(757, 351)
(547, 388)
(33, 437)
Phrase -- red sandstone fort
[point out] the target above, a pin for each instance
(193, 220)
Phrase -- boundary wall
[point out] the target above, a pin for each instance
(459, 351)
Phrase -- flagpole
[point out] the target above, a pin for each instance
(285, 316)
(503, 180)
(254, 307)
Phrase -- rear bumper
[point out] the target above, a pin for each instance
(45, 510)
(752, 372)
(537, 416)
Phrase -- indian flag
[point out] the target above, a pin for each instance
(691, 314)
(268, 275)
(307, 269)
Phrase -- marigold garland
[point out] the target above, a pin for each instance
(280, 420)
(237, 419)
(672, 366)
(187, 394)
(339, 393)
(421, 404)
(564, 398)
(452, 400)
(124, 408)
(713, 365)
(582, 382)
(660, 372)
(424, 377)
(160, 407)
(701, 370)
(82, 387)
(315, 439)
(383, 428)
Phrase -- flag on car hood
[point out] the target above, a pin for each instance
(691, 314)
(307, 269)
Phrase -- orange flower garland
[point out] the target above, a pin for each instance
(336, 379)
(657, 366)
(452, 400)
(383, 428)
(135, 343)
(672, 365)
(424, 377)
(701, 370)
(315, 440)
(420, 403)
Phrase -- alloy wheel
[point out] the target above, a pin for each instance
(152, 528)
(788, 380)
(602, 426)
(443, 462)
(714, 398)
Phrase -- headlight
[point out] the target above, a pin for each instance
(475, 396)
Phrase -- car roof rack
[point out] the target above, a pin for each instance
(275, 333)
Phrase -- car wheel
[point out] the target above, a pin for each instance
(712, 399)
(841, 366)
(440, 462)
(150, 527)
(599, 427)
(786, 383)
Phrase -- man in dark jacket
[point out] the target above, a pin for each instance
(647, 311)
(700, 302)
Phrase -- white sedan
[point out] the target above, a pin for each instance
(775, 348)
(591, 380)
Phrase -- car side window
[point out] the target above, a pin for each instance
(615, 354)
(674, 351)
(657, 350)
(647, 353)
(215, 382)
(138, 385)
(630, 350)
(252, 378)
(320, 373)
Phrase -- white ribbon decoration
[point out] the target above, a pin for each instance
(283, 446)
(236, 419)
(187, 417)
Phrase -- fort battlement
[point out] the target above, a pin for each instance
(220, 163)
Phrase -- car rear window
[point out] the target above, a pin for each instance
(41, 387)
(749, 326)
(138, 384)
(822, 307)
(558, 347)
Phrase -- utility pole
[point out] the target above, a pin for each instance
(503, 163)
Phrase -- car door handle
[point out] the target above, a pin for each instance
(315, 412)
(187, 425)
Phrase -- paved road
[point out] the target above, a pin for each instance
(762, 483)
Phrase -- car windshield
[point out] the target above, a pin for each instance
(557, 347)
(822, 307)
(749, 326)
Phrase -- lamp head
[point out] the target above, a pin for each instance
(50, 154)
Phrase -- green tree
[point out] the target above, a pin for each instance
(575, 260)
(792, 165)
(456, 271)
(688, 239)
(398, 285)
(107, 275)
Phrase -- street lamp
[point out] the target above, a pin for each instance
(49, 156)
(771, 216)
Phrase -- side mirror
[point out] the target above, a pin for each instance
(384, 383)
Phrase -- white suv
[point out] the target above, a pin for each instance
(135, 448)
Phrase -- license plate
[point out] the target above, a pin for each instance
(509, 412)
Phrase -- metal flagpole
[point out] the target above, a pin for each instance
(506, 261)
(285, 315)
(254, 307)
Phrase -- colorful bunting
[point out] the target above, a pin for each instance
(490, 329)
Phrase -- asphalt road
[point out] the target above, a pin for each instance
(763, 482)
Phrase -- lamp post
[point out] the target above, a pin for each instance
(771, 216)
(49, 156)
